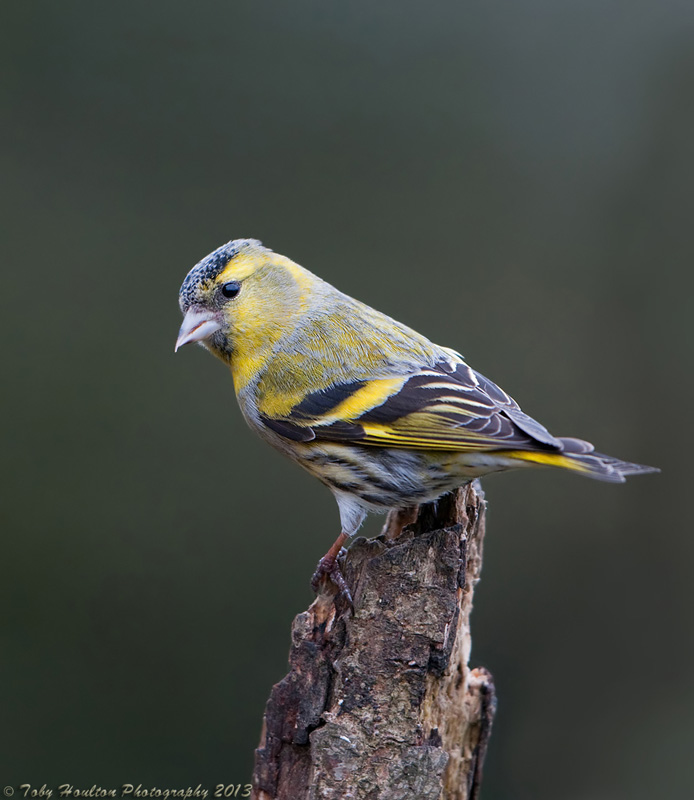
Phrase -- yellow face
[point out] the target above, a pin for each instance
(240, 300)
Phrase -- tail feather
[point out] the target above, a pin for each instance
(580, 456)
(575, 446)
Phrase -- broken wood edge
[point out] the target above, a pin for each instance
(381, 701)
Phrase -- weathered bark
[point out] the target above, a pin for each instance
(380, 704)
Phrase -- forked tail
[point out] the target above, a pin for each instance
(579, 456)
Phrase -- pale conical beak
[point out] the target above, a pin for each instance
(197, 325)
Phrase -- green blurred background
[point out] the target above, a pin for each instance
(514, 180)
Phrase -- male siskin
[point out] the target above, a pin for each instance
(378, 413)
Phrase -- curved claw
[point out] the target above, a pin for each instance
(329, 568)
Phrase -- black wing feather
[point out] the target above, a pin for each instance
(440, 408)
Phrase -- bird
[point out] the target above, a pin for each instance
(382, 416)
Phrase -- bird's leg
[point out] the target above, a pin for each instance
(329, 568)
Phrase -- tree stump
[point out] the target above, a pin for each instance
(379, 702)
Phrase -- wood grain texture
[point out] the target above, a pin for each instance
(379, 703)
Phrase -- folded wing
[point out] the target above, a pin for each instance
(448, 407)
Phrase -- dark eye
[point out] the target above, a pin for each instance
(231, 289)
